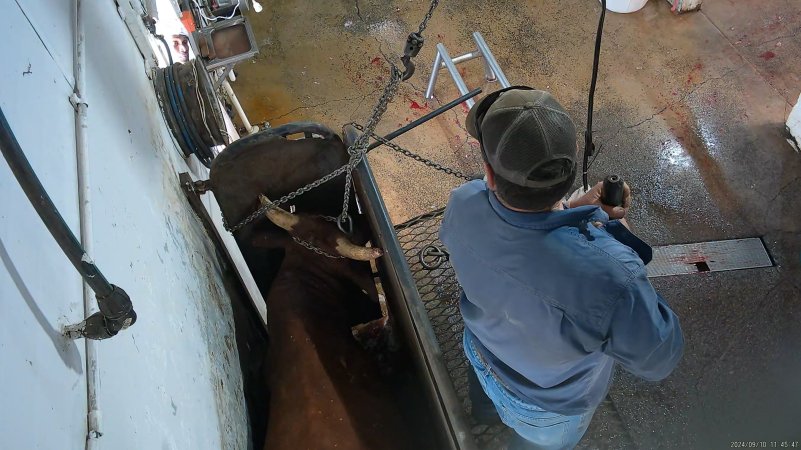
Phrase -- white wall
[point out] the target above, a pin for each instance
(794, 124)
(172, 381)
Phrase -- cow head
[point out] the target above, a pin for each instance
(318, 232)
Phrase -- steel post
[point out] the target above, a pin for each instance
(490, 60)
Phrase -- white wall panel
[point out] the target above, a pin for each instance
(172, 381)
(43, 374)
(53, 22)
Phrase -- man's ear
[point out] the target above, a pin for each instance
(490, 176)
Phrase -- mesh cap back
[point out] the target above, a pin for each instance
(527, 137)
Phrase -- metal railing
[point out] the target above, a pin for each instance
(443, 60)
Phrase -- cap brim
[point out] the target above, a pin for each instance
(470, 122)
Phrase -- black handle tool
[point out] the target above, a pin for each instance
(612, 193)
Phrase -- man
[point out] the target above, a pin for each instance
(552, 297)
(180, 45)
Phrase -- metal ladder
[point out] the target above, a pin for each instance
(443, 60)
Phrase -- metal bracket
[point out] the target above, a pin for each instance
(198, 187)
(76, 101)
(226, 71)
(443, 60)
(116, 314)
(206, 36)
(438, 254)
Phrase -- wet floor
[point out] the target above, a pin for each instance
(689, 109)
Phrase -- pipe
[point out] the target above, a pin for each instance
(85, 213)
(462, 58)
(434, 75)
(250, 129)
(490, 59)
(116, 311)
(425, 118)
(458, 60)
(47, 210)
(457, 78)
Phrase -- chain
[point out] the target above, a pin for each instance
(415, 156)
(359, 148)
(356, 151)
(317, 250)
(259, 212)
(428, 15)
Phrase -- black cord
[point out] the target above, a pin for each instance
(589, 146)
(167, 47)
(600, 150)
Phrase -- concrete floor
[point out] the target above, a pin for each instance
(689, 109)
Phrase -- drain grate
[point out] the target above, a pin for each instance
(712, 256)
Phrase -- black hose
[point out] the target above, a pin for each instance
(589, 146)
(116, 311)
(166, 46)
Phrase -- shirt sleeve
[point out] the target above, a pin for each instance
(644, 334)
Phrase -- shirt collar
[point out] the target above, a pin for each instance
(547, 220)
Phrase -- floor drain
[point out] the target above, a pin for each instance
(712, 256)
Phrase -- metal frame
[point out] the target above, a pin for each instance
(221, 76)
(443, 60)
(193, 191)
(410, 312)
(207, 32)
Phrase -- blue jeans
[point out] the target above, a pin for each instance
(535, 428)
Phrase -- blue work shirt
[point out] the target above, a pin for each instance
(551, 301)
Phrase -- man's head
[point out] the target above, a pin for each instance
(180, 43)
(528, 142)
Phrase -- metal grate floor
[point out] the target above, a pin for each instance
(440, 292)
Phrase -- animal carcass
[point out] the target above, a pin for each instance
(326, 391)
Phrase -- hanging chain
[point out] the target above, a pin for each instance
(427, 17)
(260, 212)
(315, 249)
(356, 151)
(359, 148)
(415, 156)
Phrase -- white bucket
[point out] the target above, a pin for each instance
(625, 6)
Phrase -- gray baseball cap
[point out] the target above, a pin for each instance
(522, 131)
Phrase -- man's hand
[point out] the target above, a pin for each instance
(593, 197)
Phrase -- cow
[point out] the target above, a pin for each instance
(325, 389)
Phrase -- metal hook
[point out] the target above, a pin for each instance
(413, 45)
(349, 222)
(439, 255)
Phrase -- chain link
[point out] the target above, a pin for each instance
(317, 250)
(415, 156)
(259, 212)
(428, 15)
(359, 148)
